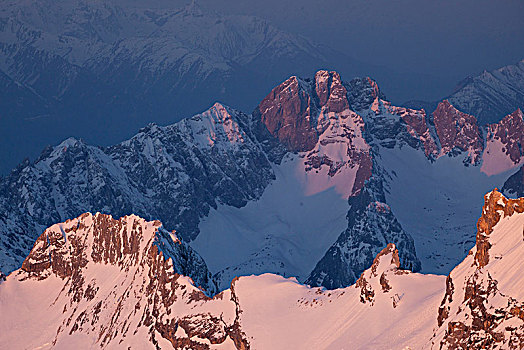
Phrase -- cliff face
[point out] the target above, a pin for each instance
(484, 299)
(119, 283)
(289, 114)
(504, 144)
(458, 132)
(297, 111)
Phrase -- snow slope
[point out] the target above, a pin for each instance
(437, 203)
(99, 282)
(484, 301)
(285, 231)
(306, 318)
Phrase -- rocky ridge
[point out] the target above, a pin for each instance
(482, 307)
(120, 283)
(371, 226)
(491, 95)
(488, 96)
(97, 280)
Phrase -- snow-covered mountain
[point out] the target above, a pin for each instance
(488, 96)
(492, 95)
(112, 283)
(176, 173)
(102, 69)
(95, 281)
(313, 184)
(484, 300)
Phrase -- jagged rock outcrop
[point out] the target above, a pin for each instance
(392, 126)
(387, 261)
(504, 144)
(118, 283)
(417, 126)
(496, 206)
(371, 226)
(482, 305)
(458, 132)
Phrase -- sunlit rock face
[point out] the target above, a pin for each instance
(504, 144)
(483, 304)
(458, 132)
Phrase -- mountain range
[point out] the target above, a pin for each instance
(313, 184)
(95, 281)
(488, 96)
(326, 216)
(100, 70)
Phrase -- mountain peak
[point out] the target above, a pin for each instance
(504, 142)
(76, 245)
(217, 126)
(71, 142)
(289, 114)
(496, 207)
(221, 109)
(458, 132)
(482, 306)
(377, 278)
(491, 95)
(193, 9)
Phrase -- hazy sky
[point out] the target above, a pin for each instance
(442, 41)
